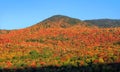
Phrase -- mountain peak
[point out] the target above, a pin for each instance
(58, 17)
(58, 21)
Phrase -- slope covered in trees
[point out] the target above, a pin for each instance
(105, 23)
(58, 21)
(50, 46)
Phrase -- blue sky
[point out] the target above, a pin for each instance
(16, 14)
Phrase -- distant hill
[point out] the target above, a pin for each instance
(104, 23)
(60, 44)
(4, 31)
(61, 21)
(58, 21)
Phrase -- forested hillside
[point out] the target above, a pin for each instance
(105, 23)
(60, 44)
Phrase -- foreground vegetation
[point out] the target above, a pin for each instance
(60, 49)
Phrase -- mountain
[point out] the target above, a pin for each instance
(4, 31)
(58, 21)
(61, 21)
(104, 23)
(66, 43)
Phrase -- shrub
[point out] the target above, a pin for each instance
(34, 54)
(46, 52)
(116, 43)
(36, 40)
(101, 60)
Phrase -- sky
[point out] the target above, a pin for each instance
(16, 14)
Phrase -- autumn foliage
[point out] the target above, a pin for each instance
(76, 45)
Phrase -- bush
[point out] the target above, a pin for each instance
(116, 43)
(36, 40)
(34, 54)
(46, 53)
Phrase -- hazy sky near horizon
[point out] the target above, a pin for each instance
(16, 14)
